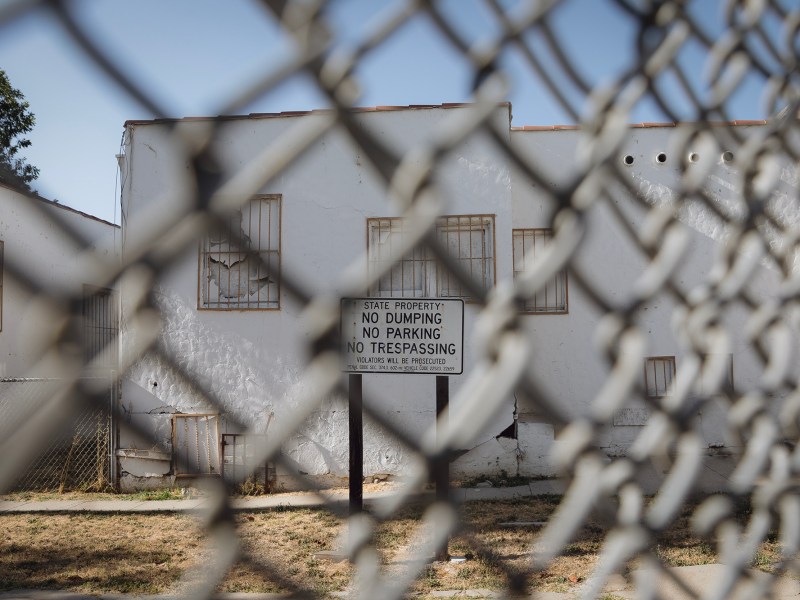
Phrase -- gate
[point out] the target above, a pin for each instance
(195, 445)
(240, 452)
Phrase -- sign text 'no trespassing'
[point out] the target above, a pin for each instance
(402, 335)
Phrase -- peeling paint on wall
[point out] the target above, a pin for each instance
(249, 384)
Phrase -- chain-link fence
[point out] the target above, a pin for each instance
(79, 458)
(709, 247)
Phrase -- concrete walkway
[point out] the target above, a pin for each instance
(271, 501)
(716, 470)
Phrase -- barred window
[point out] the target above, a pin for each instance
(659, 375)
(100, 312)
(240, 263)
(409, 277)
(468, 238)
(553, 298)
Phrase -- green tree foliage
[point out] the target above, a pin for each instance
(16, 120)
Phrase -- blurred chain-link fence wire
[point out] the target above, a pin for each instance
(761, 40)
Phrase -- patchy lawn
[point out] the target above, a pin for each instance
(149, 554)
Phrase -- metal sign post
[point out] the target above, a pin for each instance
(400, 336)
(356, 446)
(441, 475)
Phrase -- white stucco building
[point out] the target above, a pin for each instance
(235, 330)
(35, 243)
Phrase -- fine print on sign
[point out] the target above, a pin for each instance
(403, 335)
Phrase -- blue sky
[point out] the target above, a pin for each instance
(194, 55)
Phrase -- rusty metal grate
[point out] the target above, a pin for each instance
(196, 443)
(240, 261)
(553, 297)
(240, 456)
(468, 239)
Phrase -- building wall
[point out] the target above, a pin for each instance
(567, 352)
(251, 360)
(35, 245)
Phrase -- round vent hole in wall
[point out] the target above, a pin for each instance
(661, 158)
(628, 160)
(727, 156)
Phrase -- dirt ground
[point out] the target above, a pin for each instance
(157, 553)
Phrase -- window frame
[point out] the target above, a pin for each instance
(432, 276)
(659, 362)
(423, 260)
(101, 335)
(525, 308)
(479, 223)
(204, 303)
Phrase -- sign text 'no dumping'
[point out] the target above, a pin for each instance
(403, 335)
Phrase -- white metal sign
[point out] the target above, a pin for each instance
(403, 335)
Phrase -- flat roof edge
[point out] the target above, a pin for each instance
(54, 203)
(300, 113)
(655, 125)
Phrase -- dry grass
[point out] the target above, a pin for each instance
(92, 553)
(148, 554)
(164, 494)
